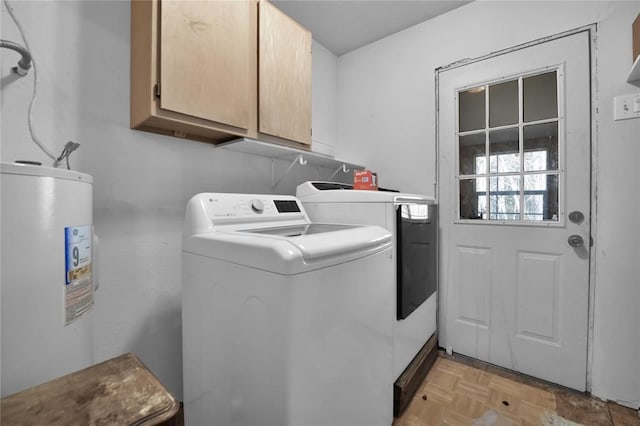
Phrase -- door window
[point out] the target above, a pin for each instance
(508, 150)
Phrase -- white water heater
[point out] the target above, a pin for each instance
(47, 274)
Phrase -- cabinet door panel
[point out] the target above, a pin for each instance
(208, 60)
(285, 76)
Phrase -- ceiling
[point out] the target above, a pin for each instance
(345, 25)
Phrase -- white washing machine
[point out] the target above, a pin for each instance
(285, 322)
(412, 220)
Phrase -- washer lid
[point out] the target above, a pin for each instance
(280, 251)
(298, 230)
(308, 192)
(43, 171)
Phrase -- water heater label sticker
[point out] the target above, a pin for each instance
(78, 296)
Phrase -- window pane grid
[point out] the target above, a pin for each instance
(533, 172)
(512, 182)
(514, 126)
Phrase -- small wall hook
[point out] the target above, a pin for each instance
(342, 168)
(298, 160)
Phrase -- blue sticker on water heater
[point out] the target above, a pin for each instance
(77, 249)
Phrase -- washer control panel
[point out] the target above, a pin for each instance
(208, 211)
(262, 207)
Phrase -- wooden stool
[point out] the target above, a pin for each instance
(120, 391)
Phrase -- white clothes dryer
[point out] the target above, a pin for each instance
(412, 220)
(285, 321)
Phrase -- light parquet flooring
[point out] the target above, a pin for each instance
(454, 393)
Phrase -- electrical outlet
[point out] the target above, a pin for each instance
(626, 107)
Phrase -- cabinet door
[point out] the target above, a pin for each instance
(208, 60)
(284, 76)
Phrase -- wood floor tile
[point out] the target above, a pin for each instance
(437, 394)
(457, 393)
(451, 367)
(408, 420)
(539, 397)
(452, 418)
(476, 376)
(472, 390)
(623, 416)
(468, 407)
(508, 420)
(505, 402)
(506, 386)
(442, 378)
(517, 377)
(431, 413)
(579, 408)
(531, 413)
(429, 417)
(464, 360)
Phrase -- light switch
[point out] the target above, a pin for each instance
(626, 107)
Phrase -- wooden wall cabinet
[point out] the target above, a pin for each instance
(284, 76)
(206, 70)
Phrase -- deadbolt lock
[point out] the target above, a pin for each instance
(576, 217)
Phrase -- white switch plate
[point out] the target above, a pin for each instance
(626, 107)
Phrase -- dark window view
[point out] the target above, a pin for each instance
(509, 168)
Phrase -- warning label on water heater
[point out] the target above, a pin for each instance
(78, 295)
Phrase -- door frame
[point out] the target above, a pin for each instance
(593, 183)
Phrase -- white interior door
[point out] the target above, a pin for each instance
(514, 168)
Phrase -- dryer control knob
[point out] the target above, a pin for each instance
(257, 206)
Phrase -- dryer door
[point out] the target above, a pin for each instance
(417, 231)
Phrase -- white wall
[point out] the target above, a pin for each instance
(387, 116)
(142, 180)
(325, 86)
